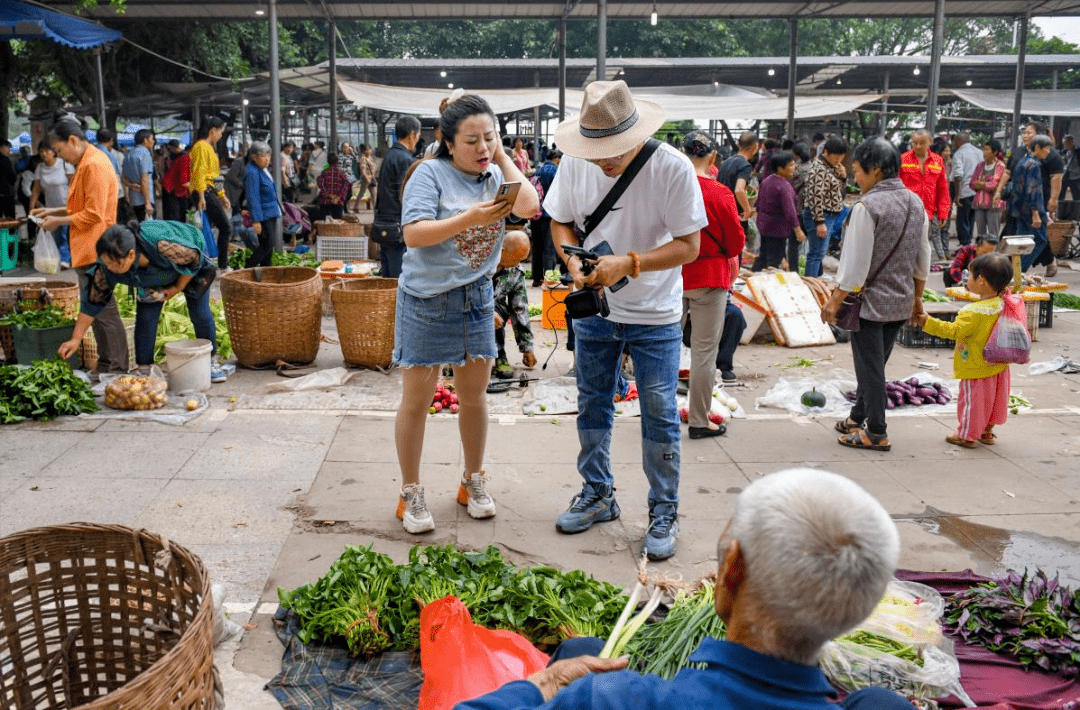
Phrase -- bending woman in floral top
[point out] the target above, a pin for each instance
(453, 228)
(156, 260)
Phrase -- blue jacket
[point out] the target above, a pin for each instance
(260, 194)
(735, 677)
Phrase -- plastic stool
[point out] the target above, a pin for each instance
(9, 249)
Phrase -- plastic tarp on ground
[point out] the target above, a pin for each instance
(679, 102)
(1037, 102)
(19, 20)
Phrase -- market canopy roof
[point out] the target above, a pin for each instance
(538, 9)
(846, 73)
(20, 20)
(1035, 102)
(678, 102)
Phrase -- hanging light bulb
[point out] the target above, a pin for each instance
(449, 86)
(839, 81)
(652, 17)
(443, 73)
(969, 82)
(772, 72)
(916, 72)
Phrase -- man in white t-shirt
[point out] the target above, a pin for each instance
(652, 230)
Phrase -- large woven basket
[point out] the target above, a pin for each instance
(1058, 233)
(274, 313)
(55, 293)
(339, 229)
(364, 310)
(103, 616)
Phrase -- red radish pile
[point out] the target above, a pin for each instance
(445, 398)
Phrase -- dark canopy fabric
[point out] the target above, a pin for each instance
(19, 20)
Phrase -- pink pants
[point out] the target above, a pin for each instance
(982, 402)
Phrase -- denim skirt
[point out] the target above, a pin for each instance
(450, 328)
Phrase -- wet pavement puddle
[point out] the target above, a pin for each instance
(998, 550)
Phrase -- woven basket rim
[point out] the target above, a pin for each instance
(235, 277)
(370, 283)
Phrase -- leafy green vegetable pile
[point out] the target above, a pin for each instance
(1066, 300)
(238, 258)
(374, 605)
(1029, 617)
(175, 324)
(45, 390)
(47, 317)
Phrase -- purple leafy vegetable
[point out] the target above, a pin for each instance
(1029, 617)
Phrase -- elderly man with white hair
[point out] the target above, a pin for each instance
(805, 558)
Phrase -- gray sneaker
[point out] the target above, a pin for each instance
(660, 537)
(586, 508)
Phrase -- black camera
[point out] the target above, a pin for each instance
(589, 301)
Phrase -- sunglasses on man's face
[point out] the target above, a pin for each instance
(616, 159)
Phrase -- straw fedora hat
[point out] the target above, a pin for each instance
(611, 123)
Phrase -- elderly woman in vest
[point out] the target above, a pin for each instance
(886, 256)
(157, 260)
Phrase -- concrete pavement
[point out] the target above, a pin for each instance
(268, 488)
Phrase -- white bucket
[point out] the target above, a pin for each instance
(189, 365)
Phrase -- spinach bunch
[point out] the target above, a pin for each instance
(1029, 617)
(47, 317)
(45, 390)
(346, 602)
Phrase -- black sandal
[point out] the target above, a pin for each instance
(862, 439)
(847, 426)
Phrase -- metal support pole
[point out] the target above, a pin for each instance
(536, 126)
(562, 68)
(243, 123)
(601, 40)
(333, 87)
(1018, 102)
(885, 105)
(101, 88)
(1053, 119)
(366, 142)
(275, 117)
(793, 53)
(196, 121)
(935, 65)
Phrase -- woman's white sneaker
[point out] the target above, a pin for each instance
(473, 493)
(412, 510)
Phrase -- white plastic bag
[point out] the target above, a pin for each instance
(46, 254)
(851, 666)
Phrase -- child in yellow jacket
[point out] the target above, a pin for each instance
(984, 387)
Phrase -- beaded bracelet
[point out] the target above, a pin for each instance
(637, 264)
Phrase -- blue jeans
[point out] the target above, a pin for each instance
(60, 236)
(654, 350)
(865, 699)
(390, 256)
(818, 246)
(1023, 226)
(146, 323)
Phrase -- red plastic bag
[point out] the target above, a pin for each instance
(1009, 340)
(462, 661)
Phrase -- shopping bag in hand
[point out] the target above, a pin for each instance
(462, 660)
(1009, 340)
(46, 253)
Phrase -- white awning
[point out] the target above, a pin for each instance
(1036, 102)
(679, 103)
